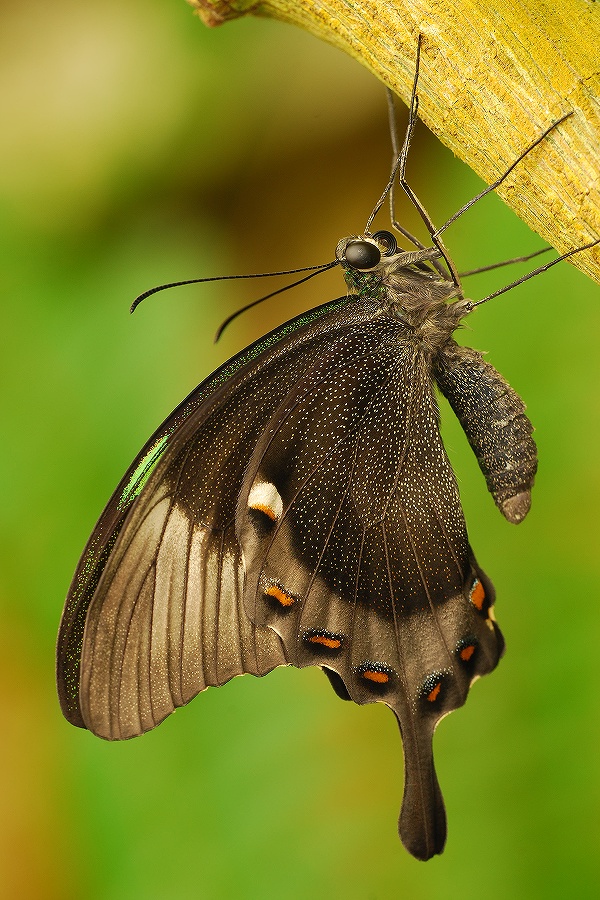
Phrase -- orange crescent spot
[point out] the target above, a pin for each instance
(477, 595)
(377, 677)
(266, 510)
(467, 652)
(433, 695)
(332, 643)
(280, 595)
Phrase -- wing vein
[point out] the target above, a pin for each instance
(424, 581)
(330, 532)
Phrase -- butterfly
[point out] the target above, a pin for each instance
(299, 508)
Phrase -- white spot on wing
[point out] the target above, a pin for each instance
(265, 497)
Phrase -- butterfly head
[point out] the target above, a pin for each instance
(364, 253)
(365, 259)
(371, 258)
(405, 282)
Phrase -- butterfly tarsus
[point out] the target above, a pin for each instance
(471, 305)
(498, 182)
(505, 262)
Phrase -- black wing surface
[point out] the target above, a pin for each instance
(356, 550)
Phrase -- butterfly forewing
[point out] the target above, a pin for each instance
(160, 577)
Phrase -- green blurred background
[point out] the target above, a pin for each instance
(140, 147)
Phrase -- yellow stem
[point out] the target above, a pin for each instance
(494, 74)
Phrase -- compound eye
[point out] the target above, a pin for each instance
(362, 254)
(387, 242)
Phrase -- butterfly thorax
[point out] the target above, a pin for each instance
(430, 306)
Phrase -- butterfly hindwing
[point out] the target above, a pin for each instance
(356, 550)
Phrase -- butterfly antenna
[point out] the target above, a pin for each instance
(287, 287)
(171, 284)
(532, 274)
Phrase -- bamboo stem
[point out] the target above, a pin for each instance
(493, 76)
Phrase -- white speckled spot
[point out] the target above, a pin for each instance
(265, 497)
